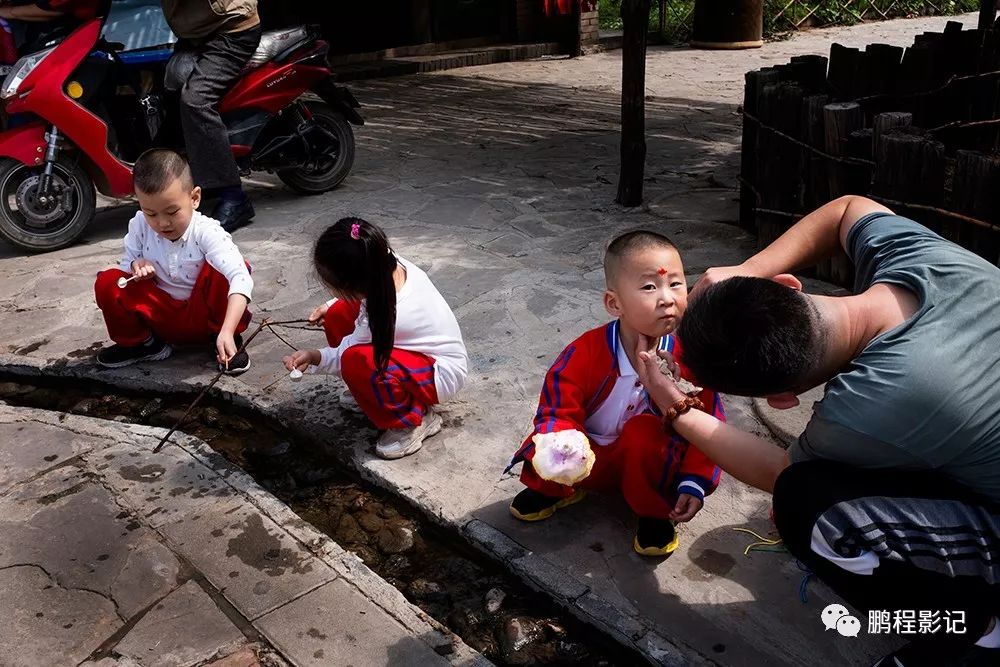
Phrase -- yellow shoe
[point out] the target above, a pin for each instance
(655, 537)
(530, 505)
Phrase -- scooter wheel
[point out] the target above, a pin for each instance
(332, 160)
(41, 223)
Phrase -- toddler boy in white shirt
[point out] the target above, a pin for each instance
(187, 284)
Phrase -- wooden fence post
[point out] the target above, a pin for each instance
(887, 121)
(839, 120)
(975, 192)
(910, 168)
(753, 88)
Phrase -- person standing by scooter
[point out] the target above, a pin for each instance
(216, 39)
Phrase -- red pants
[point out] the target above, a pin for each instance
(141, 308)
(640, 465)
(398, 398)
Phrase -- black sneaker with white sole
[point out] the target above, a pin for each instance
(117, 355)
(240, 363)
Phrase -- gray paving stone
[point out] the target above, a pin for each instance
(72, 527)
(47, 624)
(493, 540)
(612, 620)
(49, 448)
(159, 487)
(184, 628)
(544, 574)
(244, 554)
(336, 625)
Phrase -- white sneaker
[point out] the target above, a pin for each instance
(348, 402)
(399, 442)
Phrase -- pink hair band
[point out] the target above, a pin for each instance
(356, 231)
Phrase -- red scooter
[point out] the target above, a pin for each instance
(80, 113)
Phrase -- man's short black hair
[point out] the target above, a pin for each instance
(157, 168)
(751, 337)
(626, 244)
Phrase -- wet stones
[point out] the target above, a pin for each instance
(151, 408)
(13, 389)
(372, 523)
(395, 539)
(518, 639)
(494, 600)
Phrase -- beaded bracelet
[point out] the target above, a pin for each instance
(680, 407)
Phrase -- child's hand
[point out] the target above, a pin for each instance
(685, 509)
(225, 347)
(143, 269)
(316, 316)
(302, 359)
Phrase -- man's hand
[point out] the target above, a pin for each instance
(685, 509)
(316, 316)
(302, 359)
(225, 347)
(143, 269)
(717, 274)
(661, 388)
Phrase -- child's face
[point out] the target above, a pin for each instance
(169, 212)
(650, 292)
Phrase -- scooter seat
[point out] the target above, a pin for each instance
(274, 42)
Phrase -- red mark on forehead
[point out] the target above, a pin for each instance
(662, 271)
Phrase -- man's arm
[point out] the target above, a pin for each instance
(812, 239)
(746, 457)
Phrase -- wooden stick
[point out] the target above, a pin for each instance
(204, 391)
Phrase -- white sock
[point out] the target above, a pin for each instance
(992, 638)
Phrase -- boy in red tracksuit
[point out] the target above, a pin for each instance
(593, 388)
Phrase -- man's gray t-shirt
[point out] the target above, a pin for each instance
(926, 394)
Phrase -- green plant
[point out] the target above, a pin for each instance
(783, 16)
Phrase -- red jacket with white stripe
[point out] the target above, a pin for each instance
(582, 378)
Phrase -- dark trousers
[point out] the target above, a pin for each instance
(204, 70)
(937, 544)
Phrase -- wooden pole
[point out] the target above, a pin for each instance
(987, 12)
(635, 25)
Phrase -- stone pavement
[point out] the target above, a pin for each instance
(499, 180)
(112, 554)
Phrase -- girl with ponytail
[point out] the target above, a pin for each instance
(391, 335)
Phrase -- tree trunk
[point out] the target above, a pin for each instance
(987, 12)
(635, 23)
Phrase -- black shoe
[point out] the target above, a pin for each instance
(240, 363)
(233, 213)
(655, 537)
(530, 505)
(930, 653)
(117, 356)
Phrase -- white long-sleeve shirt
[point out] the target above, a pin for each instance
(179, 262)
(424, 324)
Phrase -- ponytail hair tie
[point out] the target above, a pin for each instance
(356, 231)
